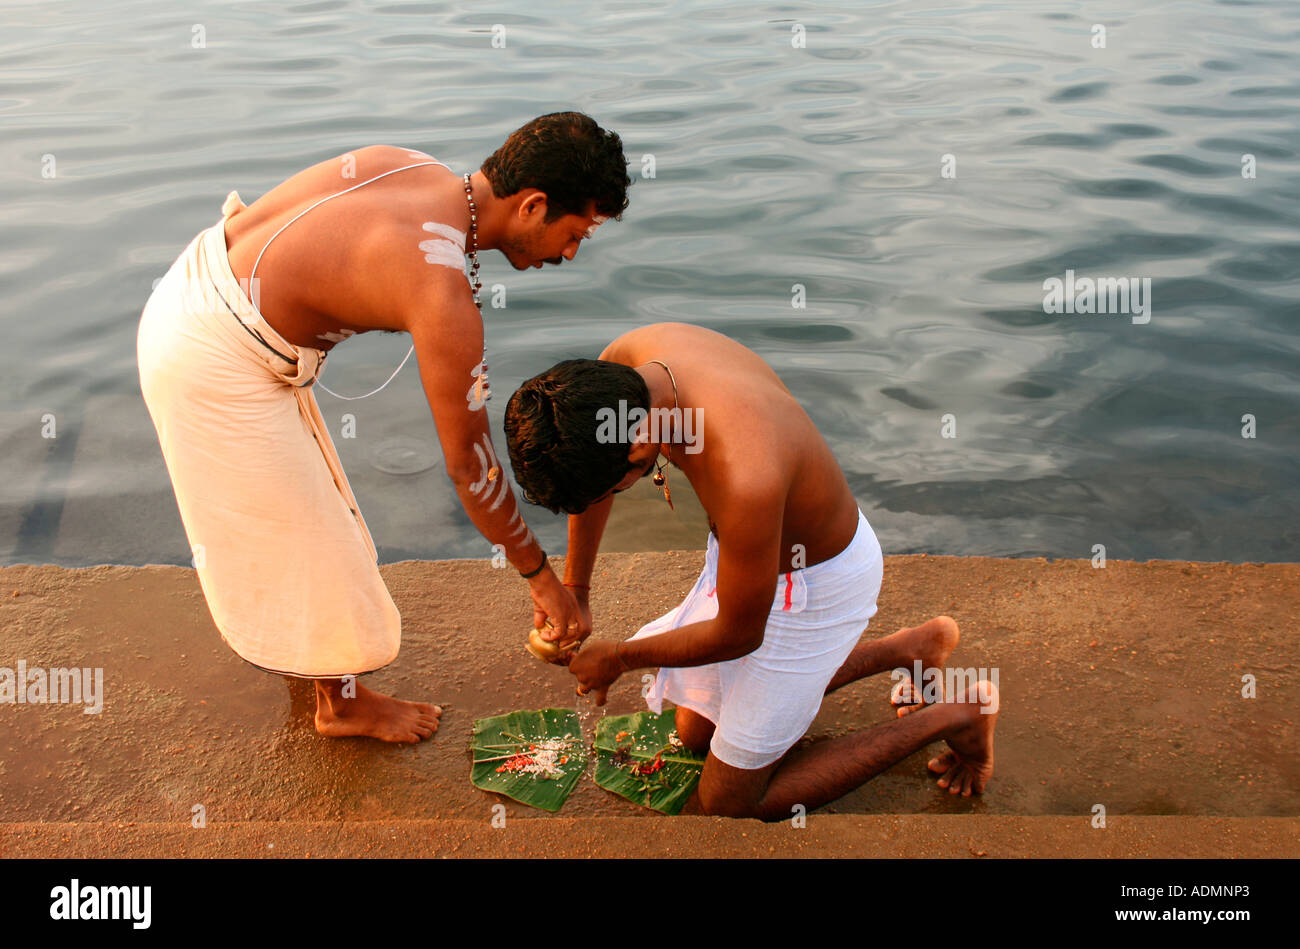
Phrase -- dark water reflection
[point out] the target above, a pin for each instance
(774, 166)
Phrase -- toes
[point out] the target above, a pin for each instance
(904, 693)
(909, 709)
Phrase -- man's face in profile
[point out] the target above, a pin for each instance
(548, 243)
(631, 478)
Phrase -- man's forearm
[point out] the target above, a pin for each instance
(697, 644)
(585, 531)
(476, 472)
(493, 509)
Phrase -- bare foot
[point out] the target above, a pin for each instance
(932, 642)
(968, 764)
(373, 715)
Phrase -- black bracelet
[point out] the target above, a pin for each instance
(540, 567)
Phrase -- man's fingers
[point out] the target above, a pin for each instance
(550, 629)
(569, 637)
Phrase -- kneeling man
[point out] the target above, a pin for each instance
(790, 579)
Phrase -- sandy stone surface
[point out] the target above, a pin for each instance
(901, 836)
(1122, 687)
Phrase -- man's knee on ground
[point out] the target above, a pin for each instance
(716, 803)
(727, 791)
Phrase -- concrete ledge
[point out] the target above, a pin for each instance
(1122, 687)
(832, 835)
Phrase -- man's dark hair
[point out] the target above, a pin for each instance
(551, 431)
(567, 156)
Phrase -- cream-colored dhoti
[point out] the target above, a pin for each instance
(283, 554)
(763, 702)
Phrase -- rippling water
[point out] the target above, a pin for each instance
(774, 165)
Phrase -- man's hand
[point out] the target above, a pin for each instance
(585, 625)
(597, 666)
(555, 607)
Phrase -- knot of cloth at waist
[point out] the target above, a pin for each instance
(297, 366)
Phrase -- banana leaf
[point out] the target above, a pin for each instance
(501, 748)
(665, 789)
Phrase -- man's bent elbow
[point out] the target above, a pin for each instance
(742, 639)
(466, 476)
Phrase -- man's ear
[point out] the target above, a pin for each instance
(639, 453)
(533, 207)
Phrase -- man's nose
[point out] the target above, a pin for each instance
(571, 252)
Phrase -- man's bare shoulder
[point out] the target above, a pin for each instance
(434, 296)
(741, 477)
(353, 173)
(364, 163)
(657, 340)
(412, 235)
(745, 511)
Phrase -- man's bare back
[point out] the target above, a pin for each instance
(334, 272)
(752, 429)
(361, 261)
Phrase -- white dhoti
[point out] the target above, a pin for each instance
(283, 555)
(764, 702)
